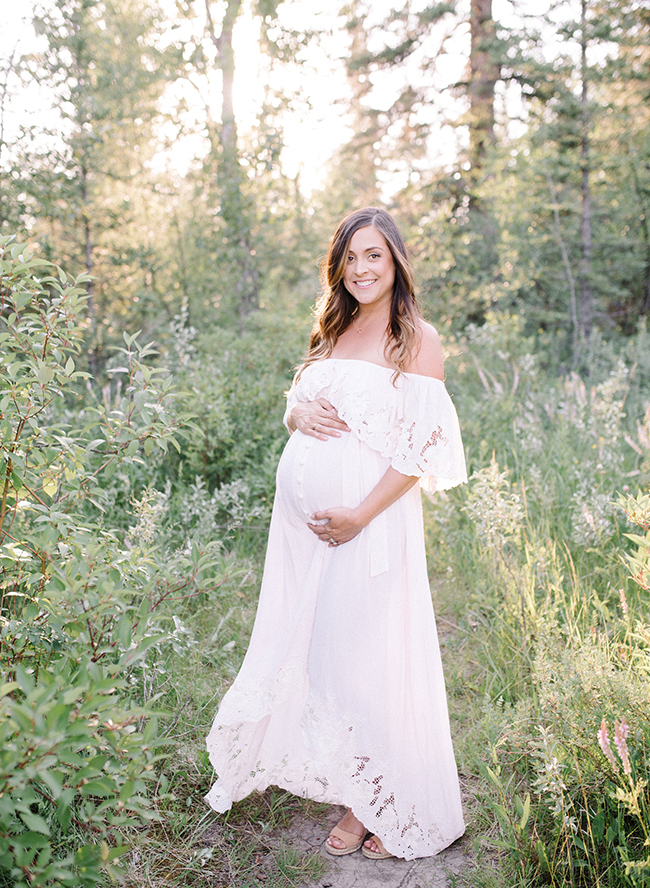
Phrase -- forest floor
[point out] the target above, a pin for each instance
(444, 870)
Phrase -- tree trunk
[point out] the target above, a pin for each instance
(360, 150)
(233, 210)
(644, 216)
(93, 357)
(483, 75)
(586, 296)
(226, 63)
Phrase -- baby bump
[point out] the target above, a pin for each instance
(314, 475)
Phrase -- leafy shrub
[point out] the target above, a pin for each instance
(73, 770)
(78, 608)
(234, 383)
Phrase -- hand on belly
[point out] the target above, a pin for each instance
(317, 418)
(340, 525)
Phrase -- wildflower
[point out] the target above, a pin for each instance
(150, 509)
(603, 741)
(497, 512)
(621, 731)
(621, 593)
(591, 516)
(549, 782)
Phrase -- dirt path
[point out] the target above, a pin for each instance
(355, 871)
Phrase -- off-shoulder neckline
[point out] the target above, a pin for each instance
(380, 366)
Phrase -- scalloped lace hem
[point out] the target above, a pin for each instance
(333, 770)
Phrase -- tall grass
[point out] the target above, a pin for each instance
(546, 554)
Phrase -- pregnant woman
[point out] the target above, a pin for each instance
(341, 696)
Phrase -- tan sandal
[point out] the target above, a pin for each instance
(382, 854)
(352, 842)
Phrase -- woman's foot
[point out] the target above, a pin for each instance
(346, 837)
(374, 850)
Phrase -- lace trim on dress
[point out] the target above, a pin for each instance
(332, 746)
(259, 698)
(413, 422)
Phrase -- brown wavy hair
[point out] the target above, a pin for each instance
(336, 307)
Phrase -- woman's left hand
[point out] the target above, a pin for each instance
(340, 525)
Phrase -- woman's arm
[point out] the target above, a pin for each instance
(342, 524)
(316, 418)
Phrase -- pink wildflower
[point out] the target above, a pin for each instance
(603, 740)
(621, 592)
(621, 730)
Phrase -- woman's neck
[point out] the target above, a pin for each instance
(375, 316)
(365, 336)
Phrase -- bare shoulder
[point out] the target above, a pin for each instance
(428, 359)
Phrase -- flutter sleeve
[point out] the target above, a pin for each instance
(429, 443)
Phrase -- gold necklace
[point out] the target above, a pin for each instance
(358, 329)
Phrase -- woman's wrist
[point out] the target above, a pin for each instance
(390, 488)
(363, 515)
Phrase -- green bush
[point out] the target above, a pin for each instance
(79, 604)
(234, 382)
(73, 772)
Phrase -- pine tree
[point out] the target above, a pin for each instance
(102, 65)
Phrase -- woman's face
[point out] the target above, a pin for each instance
(370, 270)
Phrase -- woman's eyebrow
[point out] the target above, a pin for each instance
(367, 250)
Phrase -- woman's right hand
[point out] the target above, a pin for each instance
(316, 418)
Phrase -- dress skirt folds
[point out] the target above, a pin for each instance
(341, 696)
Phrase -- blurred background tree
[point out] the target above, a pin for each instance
(88, 184)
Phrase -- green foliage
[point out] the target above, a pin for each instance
(73, 772)
(235, 383)
(637, 510)
(511, 234)
(83, 186)
(556, 605)
(78, 609)
(51, 468)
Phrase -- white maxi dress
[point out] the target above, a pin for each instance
(341, 696)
